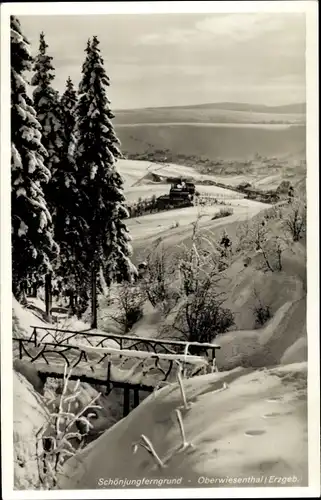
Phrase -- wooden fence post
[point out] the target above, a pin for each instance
(108, 377)
(136, 397)
(126, 401)
(48, 295)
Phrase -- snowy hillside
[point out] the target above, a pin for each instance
(29, 415)
(255, 427)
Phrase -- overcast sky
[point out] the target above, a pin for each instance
(177, 59)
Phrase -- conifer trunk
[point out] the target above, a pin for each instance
(24, 292)
(48, 295)
(34, 290)
(93, 296)
(72, 302)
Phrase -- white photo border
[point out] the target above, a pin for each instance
(310, 8)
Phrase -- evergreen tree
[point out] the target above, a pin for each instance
(70, 227)
(68, 104)
(47, 106)
(108, 242)
(32, 242)
(62, 193)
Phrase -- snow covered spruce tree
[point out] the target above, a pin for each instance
(32, 242)
(68, 105)
(70, 226)
(47, 106)
(57, 119)
(108, 242)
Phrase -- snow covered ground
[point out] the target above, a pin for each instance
(158, 189)
(29, 415)
(174, 222)
(255, 427)
(133, 171)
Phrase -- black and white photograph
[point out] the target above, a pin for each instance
(159, 293)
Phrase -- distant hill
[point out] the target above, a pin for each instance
(213, 113)
(214, 130)
(231, 106)
(255, 108)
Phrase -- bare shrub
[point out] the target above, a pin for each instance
(261, 311)
(257, 239)
(256, 236)
(274, 212)
(202, 315)
(294, 220)
(223, 212)
(157, 282)
(243, 236)
(129, 302)
(275, 248)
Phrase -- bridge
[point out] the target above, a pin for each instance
(132, 364)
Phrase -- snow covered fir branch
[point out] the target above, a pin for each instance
(68, 206)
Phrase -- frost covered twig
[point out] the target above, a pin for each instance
(214, 368)
(149, 447)
(159, 386)
(223, 388)
(181, 386)
(185, 443)
(57, 439)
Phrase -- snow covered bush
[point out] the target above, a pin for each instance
(201, 315)
(262, 238)
(129, 302)
(223, 212)
(158, 281)
(294, 221)
(262, 312)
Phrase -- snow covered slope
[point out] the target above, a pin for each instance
(29, 416)
(255, 427)
(134, 171)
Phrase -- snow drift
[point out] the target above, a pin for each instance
(29, 416)
(255, 427)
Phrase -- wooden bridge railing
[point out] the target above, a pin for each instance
(73, 357)
(60, 336)
(91, 367)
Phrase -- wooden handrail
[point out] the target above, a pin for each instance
(131, 337)
(69, 346)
